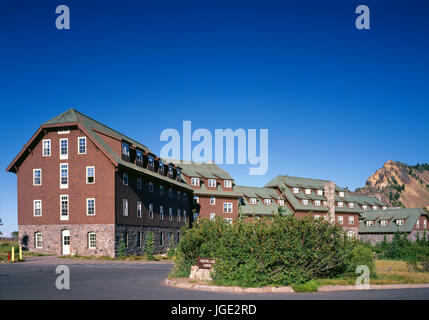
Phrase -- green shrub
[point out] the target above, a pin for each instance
(418, 259)
(150, 246)
(278, 251)
(122, 250)
(310, 286)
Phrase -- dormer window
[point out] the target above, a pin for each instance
(351, 205)
(320, 192)
(227, 183)
(374, 207)
(340, 204)
(305, 202)
(384, 208)
(317, 203)
(212, 183)
(179, 172)
(195, 181)
(267, 202)
(383, 223)
(253, 200)
(364, 207)
(400, 222)
(369, 223)
(281, 202)
(325, 203)
(307, 191)
(139, 156)
(341, 194)
(151, 161)
(170, 169)
(125, 149)
(295, 190)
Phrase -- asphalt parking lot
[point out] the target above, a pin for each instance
(36, 278)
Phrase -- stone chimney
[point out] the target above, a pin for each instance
(330, 199)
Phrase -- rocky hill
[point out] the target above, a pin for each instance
(400, 185)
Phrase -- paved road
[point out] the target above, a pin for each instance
(35, 279)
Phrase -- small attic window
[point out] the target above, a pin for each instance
(63, 131)
(351, 205)
(364, 207)
(253, 200)
(161, 165)
(341, 194)
(295, 190)
(179, 172)
(400, 222)
(267, 202)
(374, 207)
(369, 223)
(305, 202)
(383, 223)
(151, 161)
(281, 202)
(125, 149)
(320, 192)
(227, 183)
(139, 156)
(307, 191)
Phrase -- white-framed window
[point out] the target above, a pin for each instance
(320, 192)
(369, 223)
(364, 207)
(37, 208)
(170, 214)
(37, 177)
(90, 175)
(63, 131)
(139, 156)
(92, 240)
(325, 203)
(316, 216)
(227, 183)
(305, 202)
(161, 212)
(281, 202)
(150, 187)
(307, 191)
(139, 183)
(184, 215)
(295, 190)
(374, 207)
(90, 206)
(267, 202)
(400, 222)
(253, 200)
(179, 215)
(425, 222)
(212, 200)
(38, 240)
(151, 161)
(64, 148)
(170, 192)
(317, 203)
(179, 195)
(384, 208)
(340, 204)
(178, 172)
(81, 145)
(161, 166)
(227, 207)
(350, 233)
(228, 220)
(212, 216)
(64, 175)
(212, 183)
(170, 170)
(341, 194)
(125, 207)
(64, 207)
(351, 220)
(125, 179)
(125, 149)
(161, 190)
(383, 223)
(351, 205)
(150, 211)
(195, 181)
(46, 152)
(340, 219)
(139, 209)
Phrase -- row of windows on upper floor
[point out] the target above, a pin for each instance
(151, 162)
(64, 207)
(139, 184)
(63, 147)
(267, 202)
(318, 192)
(339, 204)
(399, 222)
(64, 175)
(211, 183)
(179, 212)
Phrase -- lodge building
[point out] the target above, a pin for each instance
(86, 189)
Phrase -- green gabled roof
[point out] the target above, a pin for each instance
(362, 199)
(261, 209)
(204, 170)
(300, 183)
(215, 192)
(256, 192)
(410, 215)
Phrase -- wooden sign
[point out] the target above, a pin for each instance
(205, 263)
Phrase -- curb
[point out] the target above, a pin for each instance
(234, 289)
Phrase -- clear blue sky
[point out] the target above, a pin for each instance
(338, 102)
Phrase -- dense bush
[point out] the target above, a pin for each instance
(278, 251)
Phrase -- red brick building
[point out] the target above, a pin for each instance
(84, 188)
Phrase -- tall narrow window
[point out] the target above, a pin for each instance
(170, 170)
(151, 161)
(90, 175)
(184, 215)
(125, 207)
(150, 211)
(81, 143)
(64, 207)
(92, 240)
(139, 239)
(150, 187)
(38, 240)
(139, 156)
(351, 220)
(179, 215)
(37, 177)
(227, 207)
(212, 200)
(125, 149)
(64, 175)
(170, 193)
(179, 172)
(161, 166)
(170, 214)
(139, 209)
(161, 190)
(179, 195)
(161, 239)
(139, 183)
(125, 179)
(46, 147)
(185, 197)
(64, 148)
(90, 207)
(37, 208)
(126, 239)
(161, 212)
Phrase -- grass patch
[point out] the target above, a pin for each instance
(310, 286)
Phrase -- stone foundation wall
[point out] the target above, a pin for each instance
(376, 238)
(52, 243)
(133, 233)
